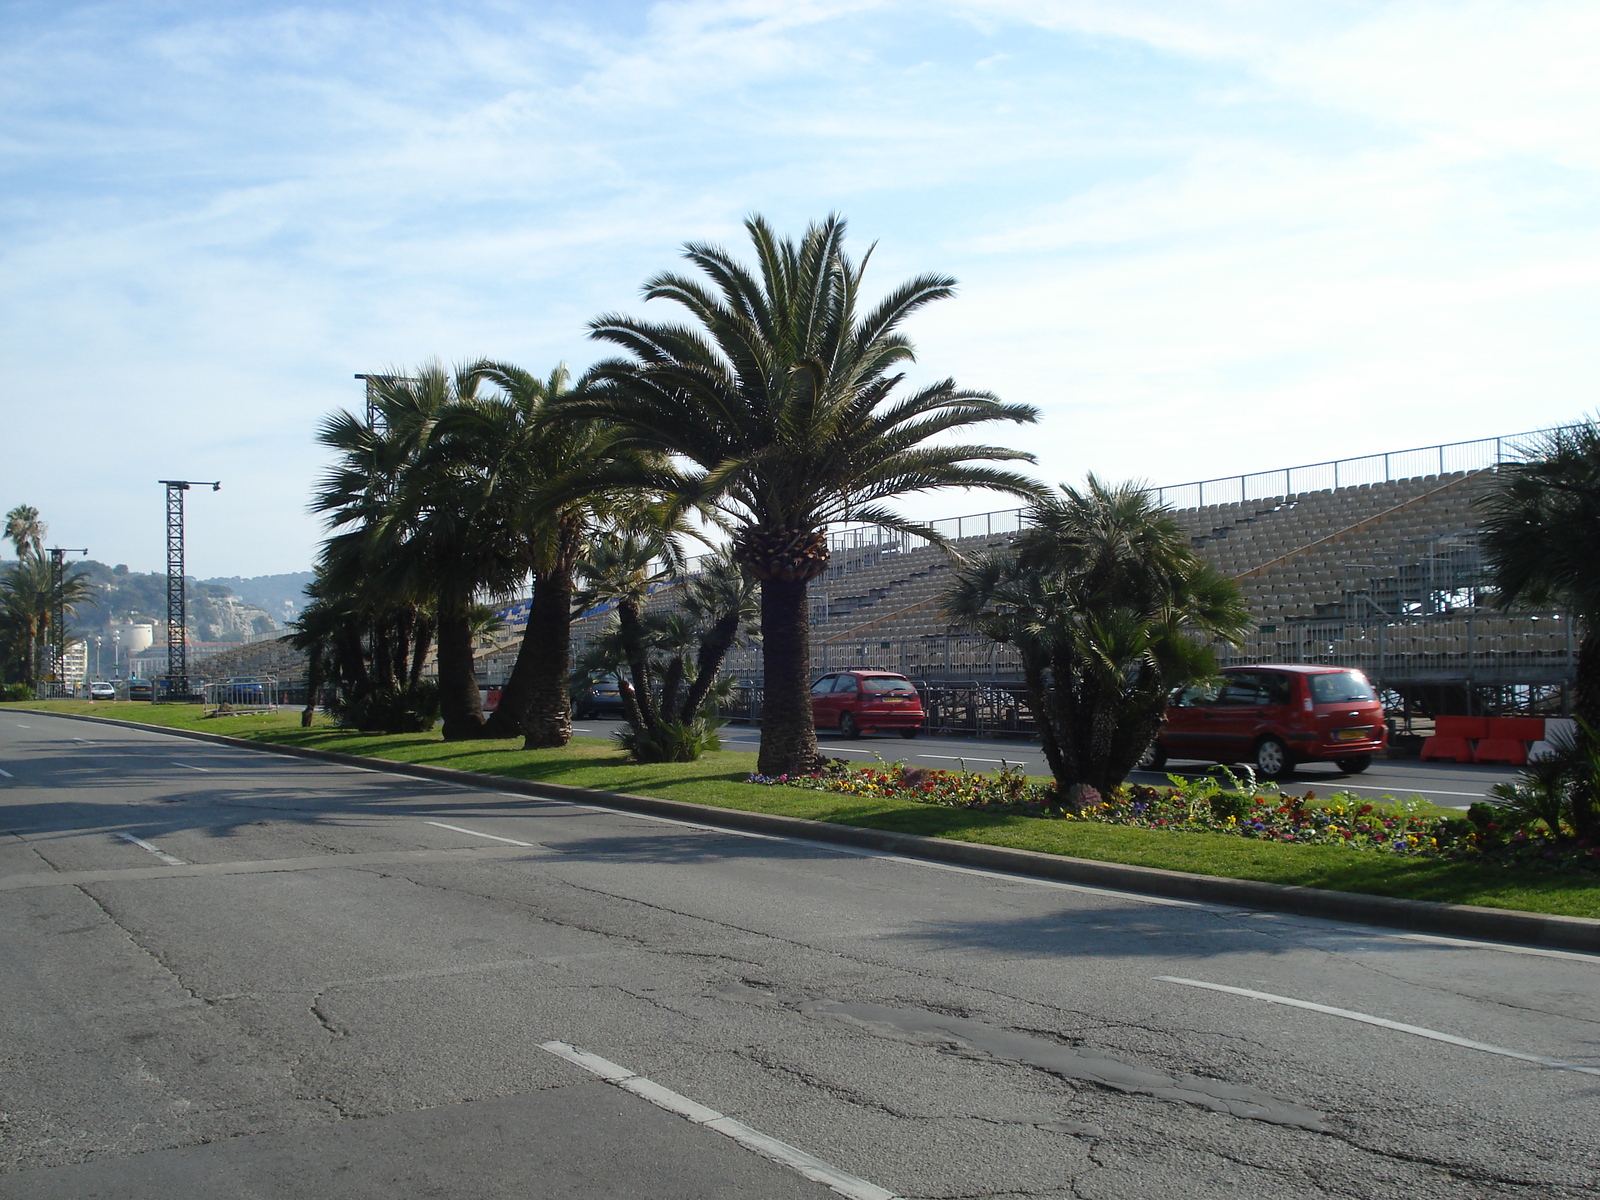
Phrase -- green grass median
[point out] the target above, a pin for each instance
(718, 780)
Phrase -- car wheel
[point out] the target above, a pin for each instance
(1153, 758)
(910, 731)
(1272, 759)
(1355, 764)
(848, 727)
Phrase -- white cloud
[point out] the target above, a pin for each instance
(1203, 236)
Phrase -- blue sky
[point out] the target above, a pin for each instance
(1202, 237)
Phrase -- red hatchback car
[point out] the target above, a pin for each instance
(1273, 717)
(857, 702)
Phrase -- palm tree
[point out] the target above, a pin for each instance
(1106, 603)
(673, 657)
(30, 597)
(1541, 540)
(555, 482)
(418, 504)
(779, 401)
(25, 531)
(622, 569)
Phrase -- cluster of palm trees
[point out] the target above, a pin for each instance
(773, 408)
(31, 597)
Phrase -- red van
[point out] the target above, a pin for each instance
(1272, 717)
(856, 702)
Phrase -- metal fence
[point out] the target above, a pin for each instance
(244, 694)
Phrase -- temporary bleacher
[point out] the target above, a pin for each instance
(1381, 575)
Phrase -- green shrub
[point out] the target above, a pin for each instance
(392, 710)
(16, 691)
(672, 741)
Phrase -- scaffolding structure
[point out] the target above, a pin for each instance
(177, 601)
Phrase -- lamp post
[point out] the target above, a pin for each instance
(58, 617)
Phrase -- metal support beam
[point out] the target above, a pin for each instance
(177, 602)
(58, 615)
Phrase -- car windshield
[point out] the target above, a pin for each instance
(1341, 687)
(886, 685)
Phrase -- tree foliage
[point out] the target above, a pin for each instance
(780, 399)
(1109, 608)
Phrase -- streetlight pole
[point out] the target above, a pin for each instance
(177, 608)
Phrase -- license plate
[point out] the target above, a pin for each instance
(1354, 735)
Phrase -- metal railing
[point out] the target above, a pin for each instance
(242, 694)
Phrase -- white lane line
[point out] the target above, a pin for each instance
(176, 763)
(493, 837)
(808, 1165)
(964, 758)
(1382, 1023)
(24, 726)
(6, 774)
(169, 859)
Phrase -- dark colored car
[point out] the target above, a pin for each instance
(1272, 717)
(857, 702)
(599, 698)
(141, 689)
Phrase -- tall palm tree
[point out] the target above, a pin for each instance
(556, 479)
(25, 531)
(1541, 539)
(1109, 608)
(779, 401)
(418, 506)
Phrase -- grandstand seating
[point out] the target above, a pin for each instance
(1379, 576)
(256, 658)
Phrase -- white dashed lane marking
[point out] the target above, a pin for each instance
(782, 1153)
(1382, 1023)
(493, 837)
(169, 859)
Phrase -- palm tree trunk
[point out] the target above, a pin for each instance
(313, 686)
(1586, 708)
(713, 653)
(459, 701)
(788, 734)
(628, 616)
(535, 701)
(422, 643)
(1044, 717)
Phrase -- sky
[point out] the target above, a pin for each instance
(1203, 237)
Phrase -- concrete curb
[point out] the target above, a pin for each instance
(1459, 920)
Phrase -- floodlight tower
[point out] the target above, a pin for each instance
(58, 634)
(177, 648)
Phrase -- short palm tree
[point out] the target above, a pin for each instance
(779, 401)
(1110, 609)
(30, 598)
(1541, 539)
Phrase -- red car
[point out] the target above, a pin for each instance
(857, 702)
(1273, 717)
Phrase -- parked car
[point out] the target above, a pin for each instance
(1272, 717)
(141, 689)
(599, 698)
(101, 690)
(857, 702)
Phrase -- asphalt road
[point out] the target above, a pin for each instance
(1450, 785)
(311, 981)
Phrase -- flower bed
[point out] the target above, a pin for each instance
(1205, 806)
